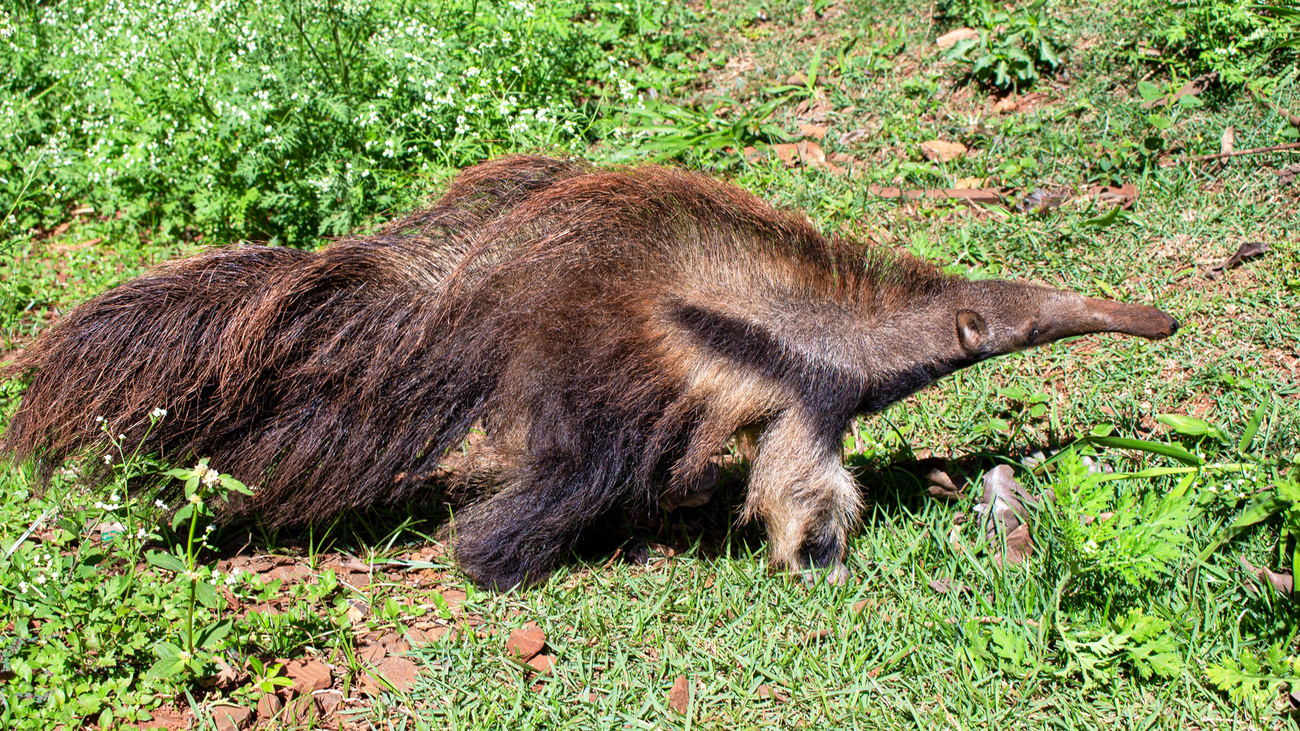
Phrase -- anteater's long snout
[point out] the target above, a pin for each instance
(1143, 321)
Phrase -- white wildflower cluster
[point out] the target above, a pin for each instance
(229, 580)
(237, 72)
(158, 413)
(208, 476)
(114, 503)
(45, 566)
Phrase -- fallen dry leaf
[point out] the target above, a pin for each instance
(941, 485)
(942, 150)
(813, 111)
(787, 152)
(1283, 583)
(854, 135)
(961, 195)
(1245, 251)
(301, 711)
(1019, 546)
(1227, 141)
(952, 37)
(1001, 502)
(679, 698)
(229, 678)
(1041, 200)
(941, 586)
(813, 130)
(372, 653)
(970, 183)
(766, 692)
(1191, 88)
(811, 153)
(1115, 195)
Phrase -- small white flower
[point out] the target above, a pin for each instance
(195, 498)
(157, 413)
(40, 578)
(108, 459)
(161, 505)
(22, 587)
(99, 420)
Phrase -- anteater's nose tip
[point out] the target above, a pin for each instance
(1173, 326)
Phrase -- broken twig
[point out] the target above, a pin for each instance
(1239, 153)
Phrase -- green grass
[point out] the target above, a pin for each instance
(1061, 641)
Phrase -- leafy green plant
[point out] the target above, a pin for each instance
(1253, 680)
(287, 120)
(1237, 39)
(1138, 640)
(103, 629)
(715, 133)
(202, 484)
(1100, 531)
(1013, 48)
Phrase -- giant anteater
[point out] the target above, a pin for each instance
(608, 329)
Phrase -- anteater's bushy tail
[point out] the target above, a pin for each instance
(325, 379)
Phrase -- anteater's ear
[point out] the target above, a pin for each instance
(972, 331)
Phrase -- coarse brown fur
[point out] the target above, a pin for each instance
(609, 329)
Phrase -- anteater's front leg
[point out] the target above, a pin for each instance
(800, 489)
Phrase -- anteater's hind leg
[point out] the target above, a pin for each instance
(806, 498)
(518, 535)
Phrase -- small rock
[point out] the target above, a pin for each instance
(356, 579)
(526, 642)
(942, 150)
(301, 711)
(328, 700)
(399, 671)
(309, 675)
(372, 653)
(542, 663)
(231, 718)
(952, 37)
(289, 574)
(679, 698)
(1006, 105)
(358, 610)
(269, 705)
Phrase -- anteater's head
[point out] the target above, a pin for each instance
(994, 317)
